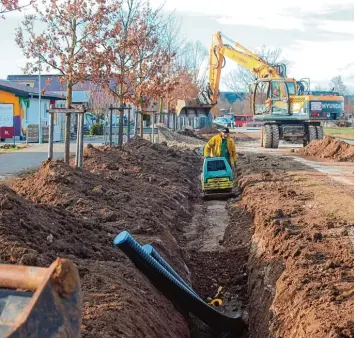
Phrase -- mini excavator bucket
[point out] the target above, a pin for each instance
(192, 108)
(40, 302)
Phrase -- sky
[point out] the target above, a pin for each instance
(316, 36)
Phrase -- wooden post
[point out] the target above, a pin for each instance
(110, 129)
(153, 120)
(81, 140)
(77, 148)
(129, 125)
(120, 126)
(136, 123)
(50, 136)
(67, 137)
(141, 125)
(67, 112)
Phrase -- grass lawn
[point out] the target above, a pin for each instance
(340, 132)
(7, 147)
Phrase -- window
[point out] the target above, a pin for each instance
(216, 165)
(291, 88)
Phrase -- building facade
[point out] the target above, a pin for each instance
(23, 103)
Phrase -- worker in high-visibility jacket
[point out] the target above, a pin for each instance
(222, 145)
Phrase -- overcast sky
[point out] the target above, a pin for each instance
(316, 36)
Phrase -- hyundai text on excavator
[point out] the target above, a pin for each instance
(288, 108)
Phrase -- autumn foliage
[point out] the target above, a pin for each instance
(117, 45)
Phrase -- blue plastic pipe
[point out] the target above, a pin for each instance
(174, 289)
(152, 252)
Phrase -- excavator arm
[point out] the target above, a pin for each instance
(218, 51)
(241, 56)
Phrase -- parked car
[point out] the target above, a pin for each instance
(223, 122)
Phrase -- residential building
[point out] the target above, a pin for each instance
(23, 103)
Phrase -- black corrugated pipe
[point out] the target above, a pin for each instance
(173, 289)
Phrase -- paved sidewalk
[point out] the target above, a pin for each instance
(15, 162)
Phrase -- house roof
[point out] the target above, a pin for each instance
(24, 91)
(77, 96)
(49, 82)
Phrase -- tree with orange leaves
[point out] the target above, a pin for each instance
(133, 60)
(73, 29)
(7, 6)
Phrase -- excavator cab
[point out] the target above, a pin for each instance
(271, 97)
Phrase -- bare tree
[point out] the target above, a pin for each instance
(99, 100)
(7, 6)
(239, 80)
(337, 84)
(134, 60)
(193, 56)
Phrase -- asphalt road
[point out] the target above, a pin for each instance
(30, 158)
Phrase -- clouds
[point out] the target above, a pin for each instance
(316, 36)
(274, 14)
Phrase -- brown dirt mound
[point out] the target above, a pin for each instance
(301, 257)
(190, 133)
(329, 148)
(207, 130)
(143, 188)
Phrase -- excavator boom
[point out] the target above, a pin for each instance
(208, 97)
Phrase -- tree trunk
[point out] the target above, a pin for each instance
(69, 94)
(120, 127)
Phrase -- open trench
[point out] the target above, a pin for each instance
(272, 252)
(217, 243)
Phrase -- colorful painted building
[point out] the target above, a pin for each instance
(24, 101)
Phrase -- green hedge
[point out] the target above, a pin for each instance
(97, 129)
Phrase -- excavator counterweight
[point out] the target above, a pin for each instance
(40, 302)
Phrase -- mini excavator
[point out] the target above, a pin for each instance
(288, 109)
(40, 302)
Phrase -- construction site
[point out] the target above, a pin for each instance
(207, 218)
(277, 259)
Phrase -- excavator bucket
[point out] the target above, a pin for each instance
(40, 302)
(192, 108)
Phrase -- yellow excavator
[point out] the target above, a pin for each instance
(288, 109)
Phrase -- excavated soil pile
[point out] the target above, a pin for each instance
(190, 133)
(301, 258)
(329, 148)
(207, 130)
(143, 188)
(174, 138)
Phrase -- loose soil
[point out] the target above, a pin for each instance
(217, 242)
(329, 148)
(282, 251)
(119, 189)
(207, 130)
(300, 263)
